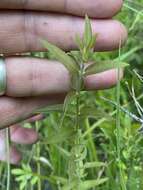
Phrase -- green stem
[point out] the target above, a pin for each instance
(39, 167)
(39, 186)
(77, 110)
(91, 145)
(8, 158)
(78, 131)
(118, 125)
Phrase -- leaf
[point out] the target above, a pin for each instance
(60, 135)
(51, 108)
(18, 171)
(102, 66)
(93, 41)
(20, 178)
(92, 183)
(23, 184)
(82, 153)
(94, 112)
(79, 42)
(87, 33)
(34, 180)
(68, 100)
(62, 57)
(63, 152)
(27, 168)
(76, 55)
(94, 164)
(70, 186)
(59, 179)
(44, 161)
(85, 185)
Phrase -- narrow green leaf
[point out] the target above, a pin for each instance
(70, 186)
(102, 66)
(76, 55)
(23, 184)
(68, 100)
(20, 178)
(49, 109)
(93, 41)
(94, 164)
(59, 179)
(88, 32)
(92, 183)
(79, 42)
(94, 112)
(17, 171)
(27, 168)
(83, 153)
(85, 55)
(44, 161)
(63, 152)
(34, 180)
(62, 57)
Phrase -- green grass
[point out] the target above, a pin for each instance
(114, 146)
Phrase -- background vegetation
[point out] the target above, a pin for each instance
(114, 144)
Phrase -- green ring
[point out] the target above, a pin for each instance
(2, 77)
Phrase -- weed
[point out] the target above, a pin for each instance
(80, 64)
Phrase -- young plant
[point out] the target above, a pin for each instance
(80, 64)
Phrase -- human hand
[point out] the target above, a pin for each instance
(18, 135)
(34, 83)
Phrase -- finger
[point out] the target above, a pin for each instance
(22, 32)
(94, 8)
(22, 135)
(18, 135)
(14, 110)
(103, 80)
(15, 155)
(34, 77)
(35, 118)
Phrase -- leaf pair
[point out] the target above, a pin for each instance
(74, 59)
(87, 43)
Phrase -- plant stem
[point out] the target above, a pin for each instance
(92, 154)
(7, 131)
(39, 187)
(78, 163)
(118, 125)
(78, 94)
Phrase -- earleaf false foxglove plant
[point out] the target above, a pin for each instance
(80, 63)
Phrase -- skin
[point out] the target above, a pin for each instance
(24, 23)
